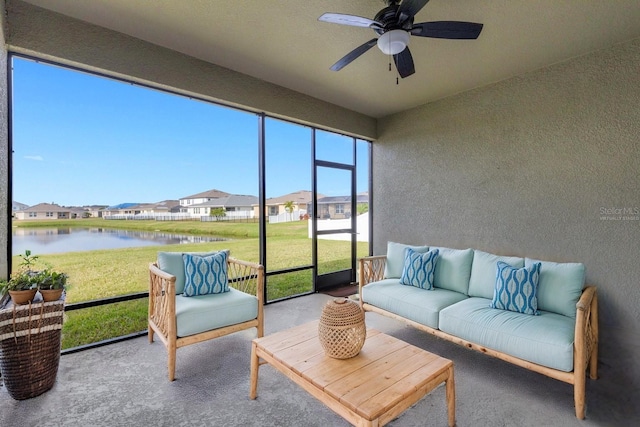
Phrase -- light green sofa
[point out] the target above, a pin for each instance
(560, 342)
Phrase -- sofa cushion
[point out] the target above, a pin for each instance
(418, 268)
(516, 288)
(395, 258)
(408, 301)
(560, 286)
(483, 272)
(205, 274)
(546, 339)
(206, 312)
(453, 269)
(172, 263)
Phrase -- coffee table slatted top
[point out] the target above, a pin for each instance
(387, 372)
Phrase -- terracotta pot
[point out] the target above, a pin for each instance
(51, 294)
(22, 297)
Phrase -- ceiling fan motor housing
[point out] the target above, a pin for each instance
(388, 17)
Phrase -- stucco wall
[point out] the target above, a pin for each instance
(5, 203)
(525, 167)
(36, 31)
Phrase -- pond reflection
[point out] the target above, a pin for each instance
(70, 239)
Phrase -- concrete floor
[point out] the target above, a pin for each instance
(126, 384)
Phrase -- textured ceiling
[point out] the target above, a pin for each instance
(282, 41)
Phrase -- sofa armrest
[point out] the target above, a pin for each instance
(371, 269)
(162, 301)
(586, 333)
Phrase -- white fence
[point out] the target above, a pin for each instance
(182, 216)
(362, 228)
(287, 217)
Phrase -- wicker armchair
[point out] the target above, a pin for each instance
(172, 317)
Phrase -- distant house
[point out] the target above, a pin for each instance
(200, 198)
(234, 206)
(160, 208)
(93, 211)
(276, 206)
(44, 211)
(127, 209)
(17, 206)
(338, 207)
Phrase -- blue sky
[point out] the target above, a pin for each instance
(79, 139)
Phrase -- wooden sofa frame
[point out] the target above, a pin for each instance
(243, 276)
(585, 350)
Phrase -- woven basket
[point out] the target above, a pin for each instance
(30, 337)
(342, 330)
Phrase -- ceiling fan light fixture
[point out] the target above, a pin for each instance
(393, 42)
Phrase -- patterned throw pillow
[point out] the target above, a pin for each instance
(419, 268)
(205, 274)
(516, 288)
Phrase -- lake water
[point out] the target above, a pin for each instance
(56, 240)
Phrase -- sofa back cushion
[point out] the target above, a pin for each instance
(560, 286)
(453, 269)
(172, 263)
(484, 272)
(395, 258)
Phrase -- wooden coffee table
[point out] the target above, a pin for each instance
(370, 389)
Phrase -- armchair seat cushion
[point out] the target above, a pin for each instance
(212, 311)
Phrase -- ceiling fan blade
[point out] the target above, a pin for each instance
(404, 63)
(408, 9)
(353, 20)
(447, 30)
(349, 57)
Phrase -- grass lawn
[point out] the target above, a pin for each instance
(105, 273)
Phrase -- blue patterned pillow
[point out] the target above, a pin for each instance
(516, 288)
(205, 274)
(419, 268)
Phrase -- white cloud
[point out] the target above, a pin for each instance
(37, 158)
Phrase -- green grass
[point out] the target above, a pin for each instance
(106, 273)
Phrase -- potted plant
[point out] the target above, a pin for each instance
(51, 284)
(20, 287)
(25, 282)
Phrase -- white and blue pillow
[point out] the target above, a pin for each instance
(419, 268)
(516, 288)
(205, 274)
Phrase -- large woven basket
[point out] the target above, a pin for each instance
(30, 337)
(341, 329)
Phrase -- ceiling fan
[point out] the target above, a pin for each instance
(394, 26)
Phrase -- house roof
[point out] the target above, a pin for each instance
(360, 198)
(212, 194)
(233, 200)
(282, 42)
(120, 206)
(163, 205)
(17, 206)
(299, 197)
(46, 207)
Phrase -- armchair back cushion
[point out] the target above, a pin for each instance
(172, 263)
(483, 272)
